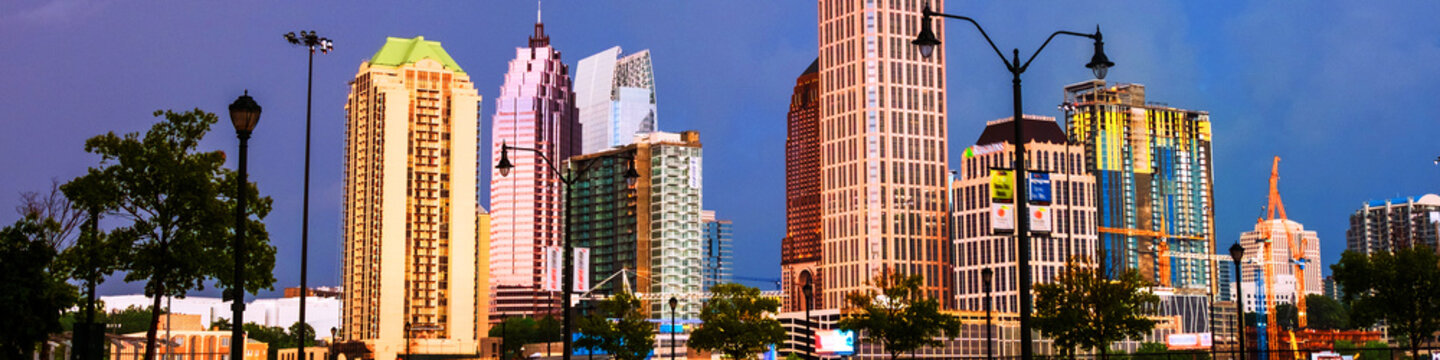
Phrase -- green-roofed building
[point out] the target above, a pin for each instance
(411, 139)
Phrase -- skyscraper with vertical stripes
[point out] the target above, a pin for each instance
(410, 248)
(800, 249)
(883, 153)
(536, 109)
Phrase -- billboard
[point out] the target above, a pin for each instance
(834, 342)
(582, 270)
(1039, 188)
(1189, 341)
(551, 282)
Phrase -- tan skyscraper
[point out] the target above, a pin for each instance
(882, 148)
(410, 208)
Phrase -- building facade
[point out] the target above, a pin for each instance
(1071, 208)
(615, 96)
(1154, 191)
(1294, 263)
(1386, 225)
(1224, 278)
(883, 153)
(652, 227)
(800, 249)
(718, 250)
(409, 201)
(535, 110)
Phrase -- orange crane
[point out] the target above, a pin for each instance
(1296, 259)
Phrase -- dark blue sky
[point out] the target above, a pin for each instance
(1345, 92)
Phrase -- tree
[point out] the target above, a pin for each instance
(1159, 351)
(296, 328)
(517, 332)
(900, 317)
(1324, 313)
(1085, 309)
(179, 210)
(737, 322)
(628, 337)
(1398, 287)
(34, 295)
(1286, 317)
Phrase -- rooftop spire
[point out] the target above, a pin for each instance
(539, 39)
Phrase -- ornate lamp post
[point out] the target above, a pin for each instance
(1099, 64)
(1237, 253)
(504, 166)
(312, 42)
(244, 114)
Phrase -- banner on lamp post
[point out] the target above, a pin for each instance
(1040, 218)
(582, 270)
(1002, 217)
(1039, 188)
(551, 281)
(1002, 185)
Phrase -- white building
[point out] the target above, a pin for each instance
(616, 98)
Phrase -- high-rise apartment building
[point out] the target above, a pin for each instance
(616, 98)
(1387, 225)
(1284, 283)
(1225, 278)
(1071, 212)
(1333, 289)
(717, 250)
(800, 249)
(652, 227)
(1154, 190)
(884, 160)
(409, 203)
(536, 110)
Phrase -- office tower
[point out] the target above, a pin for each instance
(535, 110)
(883, 150)
(1225, 278)
(1387, 225)
(1333, 289)
(409, 202)
(616, 98)
(800, 249)
(1154, 190)
(717, 250)
(1283, 285)
(1070, 210)
(482, 272)
(651, 227)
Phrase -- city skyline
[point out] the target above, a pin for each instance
(110, 81)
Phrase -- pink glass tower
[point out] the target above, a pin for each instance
(536, 109)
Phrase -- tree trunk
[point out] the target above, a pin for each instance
(154, 324)
(1104, 355)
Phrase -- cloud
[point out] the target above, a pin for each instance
(56, 12)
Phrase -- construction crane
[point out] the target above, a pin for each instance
(1296, 243)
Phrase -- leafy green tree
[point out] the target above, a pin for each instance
(1372, 350)
(1286, 317)
(548, 329)
(179, 206)
(1158, 351)
(295, 329)
(517, 332)
(1082, 308)
(737, 322)
(899, 317)
(34, 295)
(628, 337)
(1324, 313)
(132, 319)
(1398, 287)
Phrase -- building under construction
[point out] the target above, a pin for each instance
(1281, 266)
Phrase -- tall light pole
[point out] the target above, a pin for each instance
(809, 291)
(504, 166)
(986, 275)
(244, 114)
(1237, 253)
(1099, 64)
(312, 42)
(673, 302)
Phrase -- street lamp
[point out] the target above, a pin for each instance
(244, 115)
(504, 166)
(1237, 252)
(673, 302)
(313, 42)
(809, 291)
(986, 275)
(1099, 64)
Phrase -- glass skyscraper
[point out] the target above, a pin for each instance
(717, 250)
(616, 98)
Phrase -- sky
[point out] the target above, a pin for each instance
(1345, 92)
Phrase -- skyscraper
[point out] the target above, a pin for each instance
(1154, 190)
(409, 203)
(800, 249)
(616, 98)
(1284, 285)
(536, 109)
(717, 250)
(652, 227)
(1071, 212)
(1387, 225)
(883, 164)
